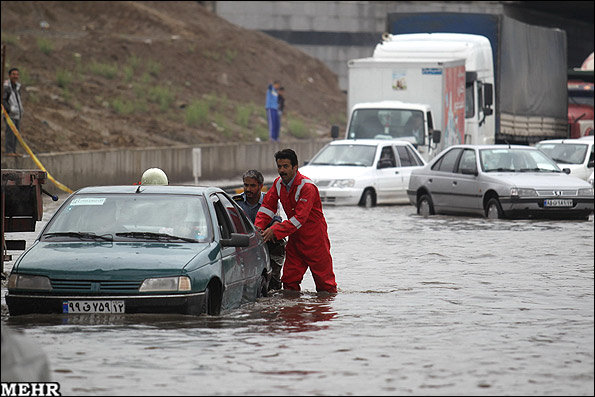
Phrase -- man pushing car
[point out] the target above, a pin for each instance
(308, 245)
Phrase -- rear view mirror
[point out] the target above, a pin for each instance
(335, 131)
(236, 240)
(469, 171)
(488, 95)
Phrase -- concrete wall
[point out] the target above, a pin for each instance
(337, 31)
(125, 166)
(332, 31)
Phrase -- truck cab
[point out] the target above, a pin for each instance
(476, 51)
(410, 122)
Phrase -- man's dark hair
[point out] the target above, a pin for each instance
(287, 154)
(254, 174)
(12, 70)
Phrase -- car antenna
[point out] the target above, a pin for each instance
(138, 189)
(508, 143)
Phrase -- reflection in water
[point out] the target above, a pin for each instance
(299, 313)
(439, 305)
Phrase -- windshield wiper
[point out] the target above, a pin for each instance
(562, 161)
(355, 164)
(532, 169)
(82, 235)
(501, 170)
(321, 164)
(156, 236)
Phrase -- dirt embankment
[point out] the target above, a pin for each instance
(140, 74)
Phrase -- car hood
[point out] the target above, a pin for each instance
(107, 260)
(539, 180)
(326, 172)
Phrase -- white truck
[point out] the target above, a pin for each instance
(446, 78)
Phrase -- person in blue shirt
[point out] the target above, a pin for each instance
(250, 201)
(272, 109)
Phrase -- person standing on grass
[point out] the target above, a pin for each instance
(11, 100)
(272, 108)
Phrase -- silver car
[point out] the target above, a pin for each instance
(498, 181)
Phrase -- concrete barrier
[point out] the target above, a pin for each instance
(125, 166)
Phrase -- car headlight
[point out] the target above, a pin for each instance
(181, 283)
(519, 192)
(588, 191)
(25, 281)
(341, 183)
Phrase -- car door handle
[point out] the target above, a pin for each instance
(454, 182)
(431, 180)
(396, 172)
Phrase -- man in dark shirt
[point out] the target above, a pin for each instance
(13, 105)
(250, 202)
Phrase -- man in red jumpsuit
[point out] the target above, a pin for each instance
(308, 244)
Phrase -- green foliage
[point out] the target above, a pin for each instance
(262, 132)
(24, 76)
(123, 106)
(153, 68)
(197, 113)
(128, 73)
(109, 71)
(211, 54)
(297, 128)
(243, 115)
(63, 78)
(9, 39)
(45, 45)
(161, 95)
(230, 55)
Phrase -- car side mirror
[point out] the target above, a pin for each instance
(590, 164)
(566, 170)
(436, 136)
(236, 240)
(469, 171)
(335, 131)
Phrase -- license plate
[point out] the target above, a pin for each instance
(557, 203)
(104, 306)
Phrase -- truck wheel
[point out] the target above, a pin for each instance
(425, 207)
(494, 209)
(368, 199)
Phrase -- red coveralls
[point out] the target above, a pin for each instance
(308, 244)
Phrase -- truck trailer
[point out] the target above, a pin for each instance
(529, 65)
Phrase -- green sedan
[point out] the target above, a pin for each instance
(142, 249)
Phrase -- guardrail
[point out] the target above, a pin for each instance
(125, 166)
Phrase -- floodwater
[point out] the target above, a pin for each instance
(426, 306)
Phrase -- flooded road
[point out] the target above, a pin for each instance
(436, 306)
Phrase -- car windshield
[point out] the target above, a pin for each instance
(564, 153)
(401, 124)
(131, 217)
(351, 155)
(516, 160)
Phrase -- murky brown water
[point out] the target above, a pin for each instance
(437, 306)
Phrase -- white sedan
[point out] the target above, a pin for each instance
(574, 154)
(363, 172)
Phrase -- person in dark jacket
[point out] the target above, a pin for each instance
(11, 100)
(250, 201)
